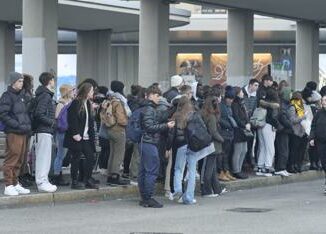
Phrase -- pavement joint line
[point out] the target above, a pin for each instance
(106, 193)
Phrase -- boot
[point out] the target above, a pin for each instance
(59, 181)
(223, 177)
(228, 175)
(77, 185)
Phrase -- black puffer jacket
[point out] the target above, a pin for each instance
(241, 118)
(44, 113)
(76, 125)
(284, 118)
(226, 127)
(151, 123)
(171, 94)
(13, 112)
(318, 127)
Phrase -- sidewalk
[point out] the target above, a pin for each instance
(65, 194)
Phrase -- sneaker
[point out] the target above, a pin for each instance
(176, 195)
(47, 188)
(22, 190)
(240, 175)
(194, 201)
(77, 185)
(11, 191)
(282, 173)
(224, 190)
(152, 203)
(259, 172)
(104, 172)
(211, 195)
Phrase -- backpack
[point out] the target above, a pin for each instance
(258, 118)
(106, 114)
(133, 131)
(62, 120)
(197, 134)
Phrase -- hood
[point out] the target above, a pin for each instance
(253, 94)
(42, 89)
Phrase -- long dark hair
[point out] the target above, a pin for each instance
(82, 94)
(184, 108)
(211, 107)
(28, 84)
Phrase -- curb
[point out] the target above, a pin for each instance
(106, 193)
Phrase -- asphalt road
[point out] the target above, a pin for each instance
(292, 208)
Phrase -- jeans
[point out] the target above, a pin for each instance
(189, 194)
(61, 152)
(180, 163)
(209, 182)
(149, 169)
(43, 152)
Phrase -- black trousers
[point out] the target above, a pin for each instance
(281, 151)
(321, 151)
(174, 157)
(208, 178)
(313, 155)
(226, 156)
(87, 152)
(104, 154)
(298, 146)
(127, 158)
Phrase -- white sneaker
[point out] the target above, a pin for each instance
(21, 190)
(211, 195)
(47, 188)
(11, 191)
(282, 173)
(176, 195)
(224, 190)
(267, 174)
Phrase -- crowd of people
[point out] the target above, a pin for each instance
(221, 133)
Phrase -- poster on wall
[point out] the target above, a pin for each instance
(282, 69)
(322, 70)
(190, 66)
(219, 67)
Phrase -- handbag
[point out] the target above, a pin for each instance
(258, 118)
(248, 134)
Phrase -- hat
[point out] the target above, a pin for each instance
(176, 81)
(117, 86)
(229, 92)
(14, 76)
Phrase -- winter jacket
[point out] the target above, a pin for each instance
(13, 112)
(318, 126)
(120, 115)
(151, 123)
(250, 101)
(171, 94)
(76, 125)
(133, 103)
(211, 123)
(284, 118)
(226, 126)
(44, 113)
(241, 118)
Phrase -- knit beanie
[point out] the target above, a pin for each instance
(117, 86)
(176, 81)
(229, 92)
(14, 76)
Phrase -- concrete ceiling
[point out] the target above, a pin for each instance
(93, 14)
(313, 10)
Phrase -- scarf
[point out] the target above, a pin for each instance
(124, 102)
(299, 108)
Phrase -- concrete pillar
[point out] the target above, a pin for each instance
(40, 37)
(94, 56)
(307, 54)
(7, 53)
(153, 42)
(240, 47)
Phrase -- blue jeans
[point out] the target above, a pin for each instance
(61, 152)
(180, 163)
(189, 195)
(149, 169)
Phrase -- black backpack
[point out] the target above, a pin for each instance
(196, 133)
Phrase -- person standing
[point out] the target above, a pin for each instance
(80, 137)
(44, 125)
(148, 148)
(240, 140)
(318, 134)
(66, 92)
(14, 115)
